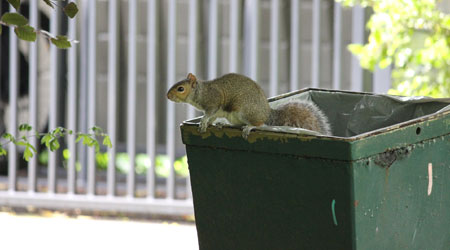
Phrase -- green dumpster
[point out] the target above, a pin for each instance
(381, 182)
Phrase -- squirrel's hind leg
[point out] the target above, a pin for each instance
(248, 128)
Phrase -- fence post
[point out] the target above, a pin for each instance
(358, 23)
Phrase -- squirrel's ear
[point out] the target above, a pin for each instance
(192, 79)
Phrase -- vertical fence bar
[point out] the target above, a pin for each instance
(91, 91)
(112, 94)
(192, 62)
(13, 81)
(131, 118)
(33, 96)
(53, 116)
(252, 38)
(72, 106)
(357, 37)
(337, 46)
(234, 35)
(83, 92)
(152, 41)
(212, 39)
(295, 43)
(192, 51)
(1, 8)
(274, 46)
(315, 62)
(171, 74)
(381, 80)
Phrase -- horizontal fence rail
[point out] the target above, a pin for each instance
(117, 77)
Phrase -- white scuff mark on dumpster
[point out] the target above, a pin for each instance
(414, 235)
(333, 204)
(430, 178)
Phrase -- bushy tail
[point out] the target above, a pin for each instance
(300, 114)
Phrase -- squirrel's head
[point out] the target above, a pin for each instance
(180, 91)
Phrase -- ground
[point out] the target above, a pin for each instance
(58, 231)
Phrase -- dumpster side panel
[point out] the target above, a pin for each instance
(402, 198)
(250, 200)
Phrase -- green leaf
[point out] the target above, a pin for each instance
(446, 22)
(32, 148)
(21, 143)
(8, 137)
(97, 130)
(2, 151)
(43, 157)
(71, 10)
(58, 131)
(377, 36)
(14, 19)
(26, 33)
(27, 145)
(91, 142)
(25, 127)
(15, 3)
(61, 42)
(79, 138)
(54, 144)
(385, 62)
(46, 140)
(86, 139)
(49, 3)
(66, 154)
(27, 154)
(102, 160)
(107, 142)
(356, 49)
(97, 146)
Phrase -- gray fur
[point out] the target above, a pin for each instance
(300, 114)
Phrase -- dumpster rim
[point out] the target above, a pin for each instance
(193, 121)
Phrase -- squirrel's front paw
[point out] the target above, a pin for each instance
(246, 131)
(202, 127)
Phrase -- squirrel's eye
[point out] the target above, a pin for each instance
(180, 89)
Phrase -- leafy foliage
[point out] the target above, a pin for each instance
(28, 33)
(144, 163)
(51, 139)
(414, 36)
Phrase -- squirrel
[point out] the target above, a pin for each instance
(242, 101)
(234, 97)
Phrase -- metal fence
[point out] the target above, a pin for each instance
(74, 87)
